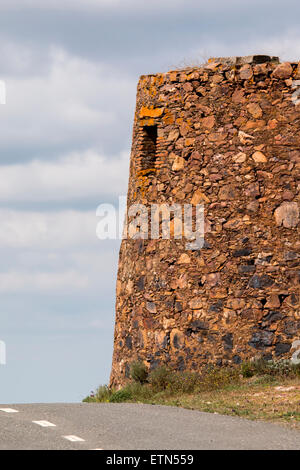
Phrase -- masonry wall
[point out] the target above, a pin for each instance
(227, 135)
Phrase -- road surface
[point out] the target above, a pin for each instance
(126, 426)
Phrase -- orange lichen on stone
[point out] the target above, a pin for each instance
(173, 76)
(145, 172)
(143, 181)
(147, 122)
(152, 87)
(168, 117)
(151, 112)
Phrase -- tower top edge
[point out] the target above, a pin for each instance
(214, 63)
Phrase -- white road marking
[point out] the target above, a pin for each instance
(9, 410)
(97, 449)
(44, 424)
(73, 438)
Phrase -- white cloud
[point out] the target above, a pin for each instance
(285, 45)
(67, 230)
(55, 252)
(76, 176)
(17, 58)
(16, 281)
(84, 4)
(70, 102)
(128, 5)
(81, 271)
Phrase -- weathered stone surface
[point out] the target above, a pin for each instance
(178, 164)
(177, 339)
(228, 341)
(150, 112)
(282, 348)
(259, 157)
(225, 135)
(184, 259)
(246, 72)
(284, 70)
(259, 282)
(208, 122)
(243, 269)
(173, 135)
(240, 157)
(196, 304)
(250, 59)
(227, 192)
(255, 110)
(291, 256)
(261, 339)
(287, 214)
(199, 198)
(197, 326)
(151, 307)
(271, 317)
(242, 252)
(273, 301)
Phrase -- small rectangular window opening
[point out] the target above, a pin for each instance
(149, 147)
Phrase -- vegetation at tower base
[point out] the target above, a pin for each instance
(225, 134)
(257, 389)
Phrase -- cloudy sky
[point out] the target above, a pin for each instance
(71, 69)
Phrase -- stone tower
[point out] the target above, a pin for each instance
(226, 134)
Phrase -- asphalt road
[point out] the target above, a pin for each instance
(128, 426)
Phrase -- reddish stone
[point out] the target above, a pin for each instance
(226, 137)
(284, 70)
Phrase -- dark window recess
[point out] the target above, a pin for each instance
(149, 147)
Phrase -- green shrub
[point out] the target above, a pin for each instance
(121, 395)
(219, 377)
(261, 366)
(265, 380)
(275, 368)
(139, 372)
(163, 379)
(247, 369)
(282, 368)
(160, 378)
(103, 393)
(296, 369)
(140, 392)
(183, 382)
(89, 399)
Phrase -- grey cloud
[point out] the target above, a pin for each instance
(77, 104)
(129, 43)
(133, 35)
(85, 176)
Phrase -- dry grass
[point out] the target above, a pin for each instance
(260, 390)
(253, 399)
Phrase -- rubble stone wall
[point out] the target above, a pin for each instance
(225, 134)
